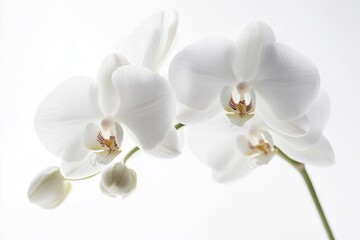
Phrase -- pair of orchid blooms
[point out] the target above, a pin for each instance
(242, 102)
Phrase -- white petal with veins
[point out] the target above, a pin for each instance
(150, 43)
(249, 45)
(147, 104)
(63, 114)
(108, 100)
(200, 71)
(287, 81)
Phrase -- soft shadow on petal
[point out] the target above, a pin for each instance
(171, 146)
(62, 116)
(147, 104)
(151, 42)
(287, 81)
(293, 128)
(318, 116)
(249, 45)
(320, 154)
(200, 71)
(108, 99)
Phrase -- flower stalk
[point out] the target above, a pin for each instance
(302, 170)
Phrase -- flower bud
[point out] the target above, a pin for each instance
(49, 188)
(118, 180)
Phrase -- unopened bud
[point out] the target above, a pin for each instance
(49, 188)
(118, 180)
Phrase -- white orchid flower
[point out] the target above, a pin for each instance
(253, 75)
(233, 152)
(83, 121)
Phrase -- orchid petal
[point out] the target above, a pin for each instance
(108, 99)
(213, 140)
(63, 114)
(216, 144)
(200, 71)
(287, 81)
(171, 146)
(189, 116)
(243, 145)
(151, 42)
(320, 154)
(249, 45)
(90, 134)
(225, 96)
(147, 104)
(119, 134)
(318, 116)
(293, 128)
(264, 158)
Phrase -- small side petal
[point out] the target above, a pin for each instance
(287, 81)
(62, 116)
(147, 104)
(151, 42)
(249, 45)
(200, 71)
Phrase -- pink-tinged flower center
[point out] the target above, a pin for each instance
(239, 104)
(241, 107)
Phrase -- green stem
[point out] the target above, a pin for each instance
(302, 170)
(135, 149)
(129, 154)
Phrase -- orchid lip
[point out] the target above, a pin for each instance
(107, 139)
(239, 103)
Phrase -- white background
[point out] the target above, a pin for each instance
(45, 42)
